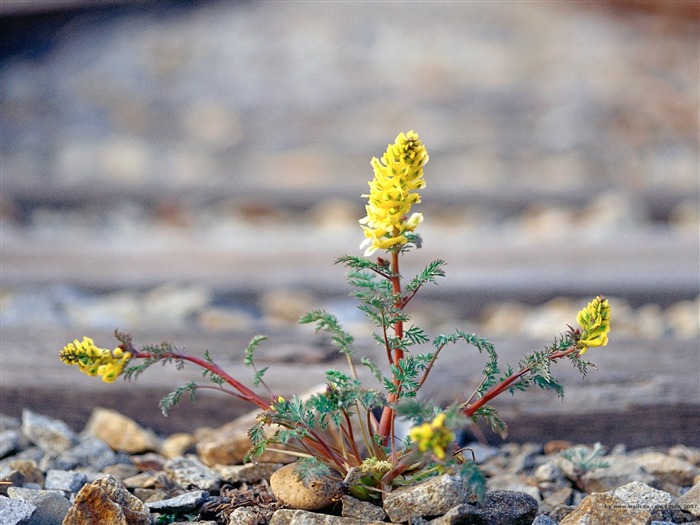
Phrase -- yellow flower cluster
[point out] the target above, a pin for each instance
(397, 176)
(95, 361)
(595, 324)
(433, 436)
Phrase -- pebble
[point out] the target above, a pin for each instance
(522, 482)
(50, 435)
(316, 494)
(120, 432)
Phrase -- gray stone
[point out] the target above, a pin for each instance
(66, 480)
(244, 516)
(668, 468)
(509, 508)
(9, 441)
(14, 511)
(361, 510)
(189, 472)
(543, 519)
(305, 517)
(183, 503)
(50, 435)
(51, 505)
(432, 497)
(689, 502)
(620, 471)
(90, 452)
(643, 496)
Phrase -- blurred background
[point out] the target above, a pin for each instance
(190, 171)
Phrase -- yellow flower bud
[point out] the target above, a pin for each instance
(434, 436)
(397, 176)
(594, 321)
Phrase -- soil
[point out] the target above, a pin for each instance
(636, 427)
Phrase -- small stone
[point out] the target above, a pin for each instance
(249, 473)
(29, 469)
(509, 508)
(66, 480)
(667, 468)
(187, 502)
(121, 471)
(620, 471)
(106, 501)
(316, 494)
(90, 452)
(9, 442)
(176, 445)
(189, 472)
(361, 510)
(556, 446)
(50, 435)
(432, 497)
(51, 505)
(304, 517)
(244, 516)
(643, 496)
(14, 511)
(689, 502)
(120, 432)
(604, 509)
(543, 519)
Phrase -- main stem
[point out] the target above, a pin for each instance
(387, 419)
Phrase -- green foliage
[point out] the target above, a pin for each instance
(310, 469)
(585, 459)
(329, 323)
(174, 397)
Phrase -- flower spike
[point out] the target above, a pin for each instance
(397, 176)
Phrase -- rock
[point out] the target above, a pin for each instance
(14, 511)
(189, 472)
(667, 468)
(187, 502)
(304, 517)
(50, 435)
(243, 516)
(286, 306)
(106, 501)
(176, 445)
(65, 480)
(90, 452)
(543, 519)
(229, 444)
(604, 509)
(500, 507)
(120, 432)
(361, 510)
(689, 454)
(555, 446)
(432, 497)
(509, 508)
(689, 502)
(513, 483)
(249, 473)
(643, 496)
(9, 442)
(51, 505)
(620, 471)
(316, 494)
(29, 470)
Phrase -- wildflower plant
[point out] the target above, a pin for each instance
(349, 429)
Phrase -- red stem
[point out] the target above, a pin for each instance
(246, 393)
(498, 389)
(386, 422)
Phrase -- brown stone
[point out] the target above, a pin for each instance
(604, 509)
(106, 501)
(120, 432)
(314, 495)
